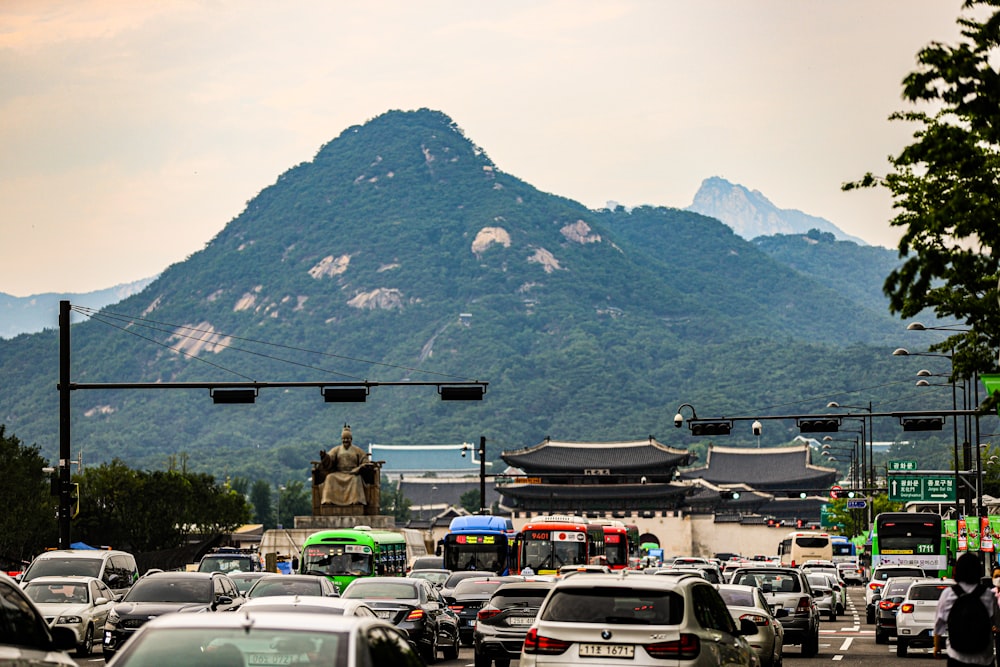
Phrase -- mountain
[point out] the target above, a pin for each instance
(402, 253)
(30, 314)
(750, 214)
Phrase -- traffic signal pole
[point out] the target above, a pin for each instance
(63, 471)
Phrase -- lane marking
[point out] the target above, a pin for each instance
(847, 644)
(839, 656)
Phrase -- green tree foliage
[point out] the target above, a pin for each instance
(470, 501)
(394, 503)
(28, 524)
(946, 187)
(855, 521)
(263, 503)
(147, 511)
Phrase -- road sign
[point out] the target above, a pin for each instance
(925, 488)
(902, 465)
(835, 491)
(857, 504)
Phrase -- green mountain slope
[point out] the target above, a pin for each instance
(402, 244)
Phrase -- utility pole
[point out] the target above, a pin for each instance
(64, 426)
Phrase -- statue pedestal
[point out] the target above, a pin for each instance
(379, 522)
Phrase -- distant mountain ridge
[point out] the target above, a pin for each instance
(30, 314)
(402, 253)
(750, 214)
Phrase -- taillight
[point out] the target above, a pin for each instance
(906, 608)
(875, 585)
(685, 648)
(415, 615)
(758, 619)
(487, 612)
(456, 607)
(804, 606)
(888, 605)
(536, 643)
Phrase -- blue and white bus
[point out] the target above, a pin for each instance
(844, 550)
(479, 542)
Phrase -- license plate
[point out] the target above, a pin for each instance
(520, 620)
(607, 651)
(270, 658)
(470, 622)
(383, 614)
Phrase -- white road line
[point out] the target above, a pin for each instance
(839, 656)
(847, 644)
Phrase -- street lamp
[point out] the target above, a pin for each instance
(854, 455)
(867, 462)
(903, 352)
(277, 513)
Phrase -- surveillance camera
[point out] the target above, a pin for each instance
(678, 420)
(756, 426)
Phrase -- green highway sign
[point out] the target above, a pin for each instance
(903, 465)
(926, 488)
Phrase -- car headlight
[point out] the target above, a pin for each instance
(69, 619)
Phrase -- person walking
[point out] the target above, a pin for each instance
(969, 627)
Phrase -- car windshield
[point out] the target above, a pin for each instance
(482, 588)
(614, 605)
(882, 575)
(518, 597)
(280, 586)
(170, 590)
(226, 564)
(433, 577)
(782, 582)
(926, 592)
(57, 593)
(246, 645)
(737, 598)
(60, 567)
(377, 590)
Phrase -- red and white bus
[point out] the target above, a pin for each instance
(546, 543)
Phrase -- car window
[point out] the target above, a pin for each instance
(389, 591)
(19, 624)
(387, 647)
(882, 575)
(926, 592)
(737, 598)
(710, 610)
(518, 597)
(614, 605)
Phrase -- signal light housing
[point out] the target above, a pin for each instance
(922, 423)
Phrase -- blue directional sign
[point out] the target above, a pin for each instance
(857, 504)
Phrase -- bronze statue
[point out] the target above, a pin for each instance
(339, 473)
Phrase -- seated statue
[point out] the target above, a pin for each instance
(339, 473)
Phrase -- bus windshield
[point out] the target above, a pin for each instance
(550, 550)
(475, 552)
(337, 559)
(616, 549)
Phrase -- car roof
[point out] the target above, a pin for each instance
(181, 575)
(289, 620)
(49, 579)
(303, 601)
(626, 581)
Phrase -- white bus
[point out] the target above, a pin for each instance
(800, 546)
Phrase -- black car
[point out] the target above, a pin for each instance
(789, 594)
(887, 603)
(164, 592)
(468, 598)
(448, 587)
(503, 621)
(292, 584)
(413, 605)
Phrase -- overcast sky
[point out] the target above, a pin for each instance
(132, 132)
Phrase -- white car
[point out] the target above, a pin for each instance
(611, 619)
(747, 602)
(77, 605)
(310, 604)
(915, 616)
(267, 638)
(878, 579)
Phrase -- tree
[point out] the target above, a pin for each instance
(263, 503)
(470, 501)
(393, 503)
(946, 187)
(29, 525)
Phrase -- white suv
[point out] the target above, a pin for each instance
(875, 584)
(915, 616)
(604, 618)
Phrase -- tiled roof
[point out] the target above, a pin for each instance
(443, 491)
(773, 467)
(594, 491)
(635, 457)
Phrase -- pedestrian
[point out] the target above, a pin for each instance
(970, 628)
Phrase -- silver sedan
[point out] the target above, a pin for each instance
(747, 602)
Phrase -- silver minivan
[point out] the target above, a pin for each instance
(117, 569)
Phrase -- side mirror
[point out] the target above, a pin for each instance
(99, 601)
(767, 587)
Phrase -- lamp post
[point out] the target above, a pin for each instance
(867, 463)
(853, 472)
(903, 352)
(277, 513)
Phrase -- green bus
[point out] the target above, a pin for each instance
(345, 554)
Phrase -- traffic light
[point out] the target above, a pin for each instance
(710, 427)
(798, 523)
(826, 425)
(729, 495)
(922, 423)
